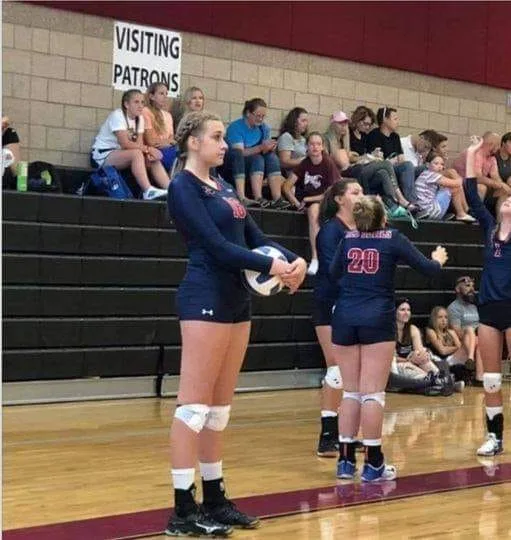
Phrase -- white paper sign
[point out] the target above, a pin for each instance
(143, 55)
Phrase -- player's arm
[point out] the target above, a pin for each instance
(326, 243)
(337, 266)
(414, 258)
(187, 207)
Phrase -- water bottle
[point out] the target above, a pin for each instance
(22, 180)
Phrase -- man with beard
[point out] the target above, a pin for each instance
(464, 319)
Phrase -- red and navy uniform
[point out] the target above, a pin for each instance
(365, 263)
(219, 234)
(495, 290)
(326, 291)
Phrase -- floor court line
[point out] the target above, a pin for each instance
(341, 495)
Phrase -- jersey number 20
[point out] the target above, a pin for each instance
(363, 261)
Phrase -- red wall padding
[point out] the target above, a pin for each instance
(469, 41)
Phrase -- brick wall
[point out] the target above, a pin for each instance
(56, 85)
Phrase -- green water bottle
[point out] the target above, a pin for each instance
(22, 180)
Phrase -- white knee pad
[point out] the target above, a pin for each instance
(379, 397)
(492, 382)
(333, 377)
(356, 396)
(218, 417)
(194, 415)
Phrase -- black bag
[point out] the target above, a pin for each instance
(43, 177)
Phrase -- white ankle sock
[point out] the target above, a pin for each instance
(183, 478)
(211, 471)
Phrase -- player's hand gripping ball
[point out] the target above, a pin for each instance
(264, 284)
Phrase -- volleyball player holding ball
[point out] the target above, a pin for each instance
(214, 313)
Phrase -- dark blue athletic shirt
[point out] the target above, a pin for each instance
(219, 234)
(366, 264)
(496, 277)
(328, 239)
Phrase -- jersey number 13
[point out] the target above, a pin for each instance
(363, 261)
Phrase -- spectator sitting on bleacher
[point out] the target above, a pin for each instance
(386, 138)
(464, 320)
(252, 153)
(504, 158)
(439, 143)
(435, 192)
(415, 149)
(119, 144)
(413, 369)
(375, 174)
(337, 140)
(410, 351)
(193, 100)
(489, 183)
(11, 141)
(311, 178)
(291, 144)
(446, 345)
(158, 123)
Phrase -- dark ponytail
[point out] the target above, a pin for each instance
(328, 206)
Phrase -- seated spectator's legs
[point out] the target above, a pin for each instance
(443, 198)
(159, 174)
(273, 173)
(133, 159)
(255, 166)
(312, 216)
(482, 190)
(405, 173)
(235, 167)
(407, 369)
(390, 185)
(169, 156)
(425, 363)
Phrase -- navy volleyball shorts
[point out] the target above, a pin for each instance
(496, 314)
(213, 307)
(322, 312)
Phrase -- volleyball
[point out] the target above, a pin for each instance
(264, 284)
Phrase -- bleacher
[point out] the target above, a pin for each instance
(89, 286)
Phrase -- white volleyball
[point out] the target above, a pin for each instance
(260, 283)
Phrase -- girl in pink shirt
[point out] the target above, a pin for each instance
(159, 127)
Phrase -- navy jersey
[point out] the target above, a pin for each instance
(219, 234)
(496, 277)
(366, 264)
(329, 236)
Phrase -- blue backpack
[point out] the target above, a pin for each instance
(109, 181)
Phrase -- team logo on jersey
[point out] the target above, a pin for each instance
(238, 210)
(208, 191)
(498, 249)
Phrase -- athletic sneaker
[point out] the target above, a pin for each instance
(197, 524)
(280, 204)
(262, 202)
(328, 447)
(346, 469)
(153, 193)
(491, 447)
(378, 474)
(228, 515)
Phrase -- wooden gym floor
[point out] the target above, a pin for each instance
(100, 470)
